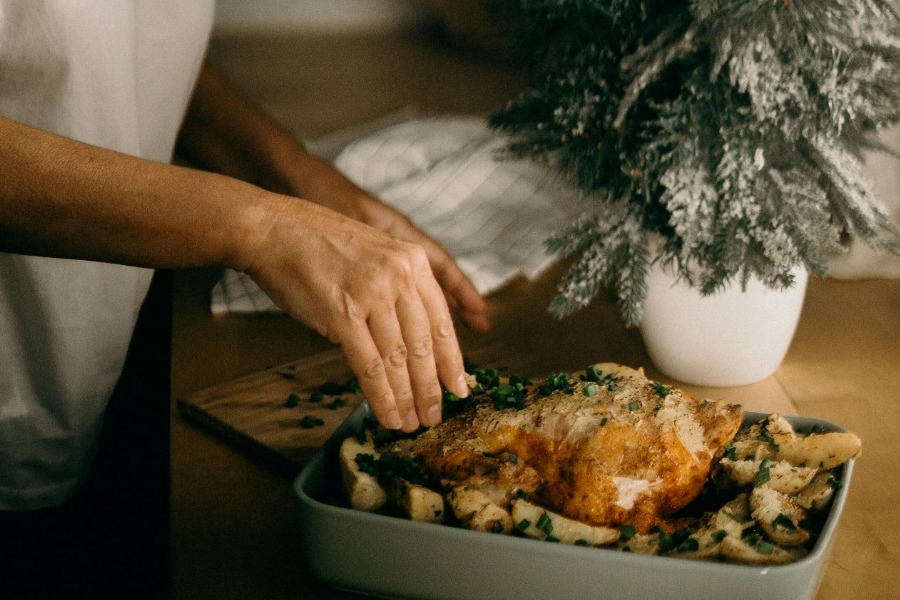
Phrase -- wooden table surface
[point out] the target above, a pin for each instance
(235, 520)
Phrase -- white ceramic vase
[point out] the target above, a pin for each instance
(734, 337)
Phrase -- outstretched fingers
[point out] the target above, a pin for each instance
(403, 350)
(365, 360)
(444, 353)
(387, 335)
(375, 294)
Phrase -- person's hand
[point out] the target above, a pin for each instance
(360, 273)
(318, 181)
(372, 293)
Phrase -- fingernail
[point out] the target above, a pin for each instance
(392, 420)
(434, 415)
(462, 388)
(412, 420)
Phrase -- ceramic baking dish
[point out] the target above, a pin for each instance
(390, 557)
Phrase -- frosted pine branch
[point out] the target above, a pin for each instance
(718, 136)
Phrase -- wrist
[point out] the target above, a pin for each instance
(249, 219)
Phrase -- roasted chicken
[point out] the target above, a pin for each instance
(605, 447)
(607, 458)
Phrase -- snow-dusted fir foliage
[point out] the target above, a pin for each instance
(720, 137)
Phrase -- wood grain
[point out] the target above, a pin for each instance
(254, 412)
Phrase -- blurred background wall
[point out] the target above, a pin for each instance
(240, 16)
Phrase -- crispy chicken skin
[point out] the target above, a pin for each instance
(609, 448)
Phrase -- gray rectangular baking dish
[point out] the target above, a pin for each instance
(389, 557)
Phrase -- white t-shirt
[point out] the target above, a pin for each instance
(116, 74)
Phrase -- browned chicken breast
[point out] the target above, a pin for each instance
(605, 446)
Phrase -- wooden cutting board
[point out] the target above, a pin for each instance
(254, 412)
(273, 415)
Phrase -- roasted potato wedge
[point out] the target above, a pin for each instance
(640, 543)
(819, 450)
(818, 494)
(475, 510)
(775, 438)
(779, 517)
(539, 523)
(416, 502)
(363, 490)
(778, 475)
(731, 520)
(760, 553)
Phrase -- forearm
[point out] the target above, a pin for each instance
(225, 133)
(376, 291)
(62, 198)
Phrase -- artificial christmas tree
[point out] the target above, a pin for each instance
(719, 137)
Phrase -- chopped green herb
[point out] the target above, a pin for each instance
(626, 532)
(558, 380)
(666, 541)
(331, 388)
(551, 538)
(292, 401)
(390, 467)
(660, 389)
(309, 421)
(367, 463)
(719, 535)
(763, 475)
(544, 523)
(512, 458)
(337, 404)
(524, 524)
(765, 547)
(835, 483)
(590, 389)
(452, 404)
(581, 543)
(509, 396)
(316, 396)
(603, 421)
(520, 493)
(519, 380)
(634, 405)
(730, 452)
(352, 386)
(765, 437)
(681, 541)
(555, 381)
(592, 373)
(784, 521)
(488, 378)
